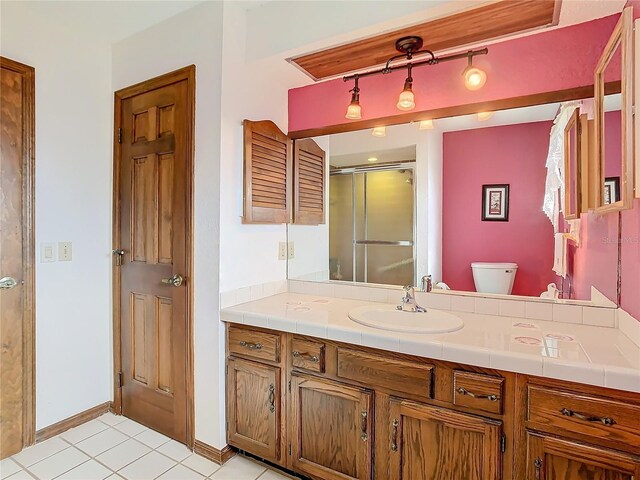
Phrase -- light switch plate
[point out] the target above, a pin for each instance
(64, 251)
(47, 252)
(282, 251)
(291, 252)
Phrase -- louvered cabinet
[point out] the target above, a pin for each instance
(284, 181)
(267, 173)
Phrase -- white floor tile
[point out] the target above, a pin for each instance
(274, 475)
(8, 467)
(90, 470)
(130, 427)
(123, 454)
(22, 475)
(115, 476)
(239, 468)
(175, 450)
(58, 464)
(180, 472)
(200, 464)
(102, 442)
(111, 419)
(151, 438)
(83, 431)
(40, 451)
(148, 467)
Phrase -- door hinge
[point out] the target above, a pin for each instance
(119, 379)
(503, 443)
(289, 449)
(289, 386)
(227, 425)
(119, 135)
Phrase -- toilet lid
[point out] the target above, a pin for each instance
(494, 265)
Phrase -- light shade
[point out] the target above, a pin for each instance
(354, 111)
(406, 101)
(372, 159)
(484, 116)
(474, 78)
(426, 125)
(379, 131)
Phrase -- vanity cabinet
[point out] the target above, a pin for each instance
(334, 411)
(431, 443)
(331, 429)
(550, 458)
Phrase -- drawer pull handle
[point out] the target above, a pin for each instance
(537, 463)
(491, 398)
(588, 418)
(394, 436)
(312, 358)
(272, 398)
(251, 346)
(363, 435)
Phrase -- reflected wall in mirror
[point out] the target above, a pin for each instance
(614, 126)
(410, 204)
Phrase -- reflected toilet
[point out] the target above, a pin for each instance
(494, 277)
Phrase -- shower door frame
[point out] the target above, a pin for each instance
(352, 171)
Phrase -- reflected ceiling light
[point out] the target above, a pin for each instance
(372, 159)
(482, 116)
(410, 47)
(474, 78)
(379, 131)
(354, 111)
(426, 125)
(407, 100)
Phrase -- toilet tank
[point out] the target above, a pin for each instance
(494, 277)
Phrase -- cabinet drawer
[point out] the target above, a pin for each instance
(611, 420)
(388, 373)
(307, 355)
(480, 392)
(254, 344)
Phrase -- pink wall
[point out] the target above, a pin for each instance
(630, 256)
(513, 154)
(549, 61)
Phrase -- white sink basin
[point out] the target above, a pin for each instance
(387, 317)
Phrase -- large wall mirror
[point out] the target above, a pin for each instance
(460, 199)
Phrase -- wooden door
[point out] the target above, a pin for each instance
(309, 180)
(431, 443)
(550, 458)
(16, 257)
(253, 405)
(331, 429)
(152, 252)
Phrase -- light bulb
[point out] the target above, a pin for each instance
(354, 111)
(474, 78)
(372, 159)
(406, 101)
(426, 125)
(482, 116)
(379, 131)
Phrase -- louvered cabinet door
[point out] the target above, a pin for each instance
(309, 183)
(267, 173)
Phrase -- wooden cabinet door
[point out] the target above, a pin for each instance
(550, 458)
(309, 180)
(331, 429)
(253, 408)
(431, 443)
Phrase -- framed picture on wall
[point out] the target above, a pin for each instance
(495, 203)
(611, 190)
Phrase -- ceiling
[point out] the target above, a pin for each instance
(393, 155)
(106, 21)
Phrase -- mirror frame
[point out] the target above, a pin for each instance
(622, 36)
(575, 125)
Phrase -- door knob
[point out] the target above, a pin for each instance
(7, 283)
(176, 280)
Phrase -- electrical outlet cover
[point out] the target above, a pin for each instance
(282, 251)
(64, 251)
(47, 252)
(291, 252)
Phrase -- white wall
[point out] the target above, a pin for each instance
(73, 203)
(193, 37)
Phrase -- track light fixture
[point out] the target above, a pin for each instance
(354, 111)
(409, 47)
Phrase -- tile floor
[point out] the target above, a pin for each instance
(114, 447)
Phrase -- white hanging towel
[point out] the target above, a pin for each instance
(560, 255)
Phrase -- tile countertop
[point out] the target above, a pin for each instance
(579, 353)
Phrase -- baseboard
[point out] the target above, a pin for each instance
(218, 456)
(78, 419)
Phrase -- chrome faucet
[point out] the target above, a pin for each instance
(409, 303)
(426, 284)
